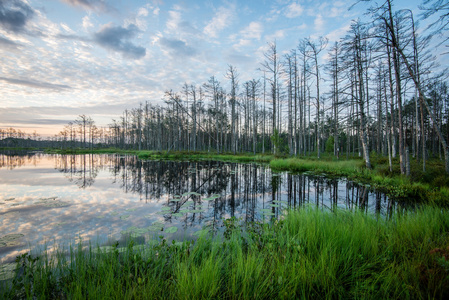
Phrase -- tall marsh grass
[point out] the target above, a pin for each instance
(308, 254)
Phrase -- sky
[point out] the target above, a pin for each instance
(63, 58)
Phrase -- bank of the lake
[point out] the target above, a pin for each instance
(430, 187)
(308, 254)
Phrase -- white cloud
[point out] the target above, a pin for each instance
(142, 12)
(220, 21)
(253, 31)
(319, 22)
(67, 28)
(294, 10)
(277, 35)
(87, 23)
(174, 17)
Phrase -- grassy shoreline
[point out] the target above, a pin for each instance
(308, 254)
(431, 187)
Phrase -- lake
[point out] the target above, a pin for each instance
(48, 200)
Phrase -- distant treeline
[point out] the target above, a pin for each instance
(376, 91)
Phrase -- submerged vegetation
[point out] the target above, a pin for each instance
(308, 254)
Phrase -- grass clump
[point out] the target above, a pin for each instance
(308, 254)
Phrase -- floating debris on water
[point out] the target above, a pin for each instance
(124, 217)
(9, 199)
(11, 240)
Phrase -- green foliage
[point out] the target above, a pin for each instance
(308, 254)
(330, 145)
(276, 139)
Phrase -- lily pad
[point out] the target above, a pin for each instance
(178, 215)
(269, 214)
(135, 231)
(194, 211)
(7, 271)
(201, 232)
(108, 249)
(124, 217)
(131, 209)
(114, 213)
(172, 229)
(274, 205)
(153, 242)
(191, 193)
(266, 210)
(175, 199)
(52, 202)
(156, 226)
(11, 240)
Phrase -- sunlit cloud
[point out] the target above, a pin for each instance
(294, 10)
(95, 5)
(222, 19)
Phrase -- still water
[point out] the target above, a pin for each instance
(60, 199)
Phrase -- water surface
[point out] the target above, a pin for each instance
(59, 199)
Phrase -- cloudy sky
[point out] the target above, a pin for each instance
(63, 58)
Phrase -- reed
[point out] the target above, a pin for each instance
(309, 253)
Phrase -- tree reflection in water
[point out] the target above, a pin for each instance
(244, 189)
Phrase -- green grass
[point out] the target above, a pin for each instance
(309, 254)
(429, 187)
